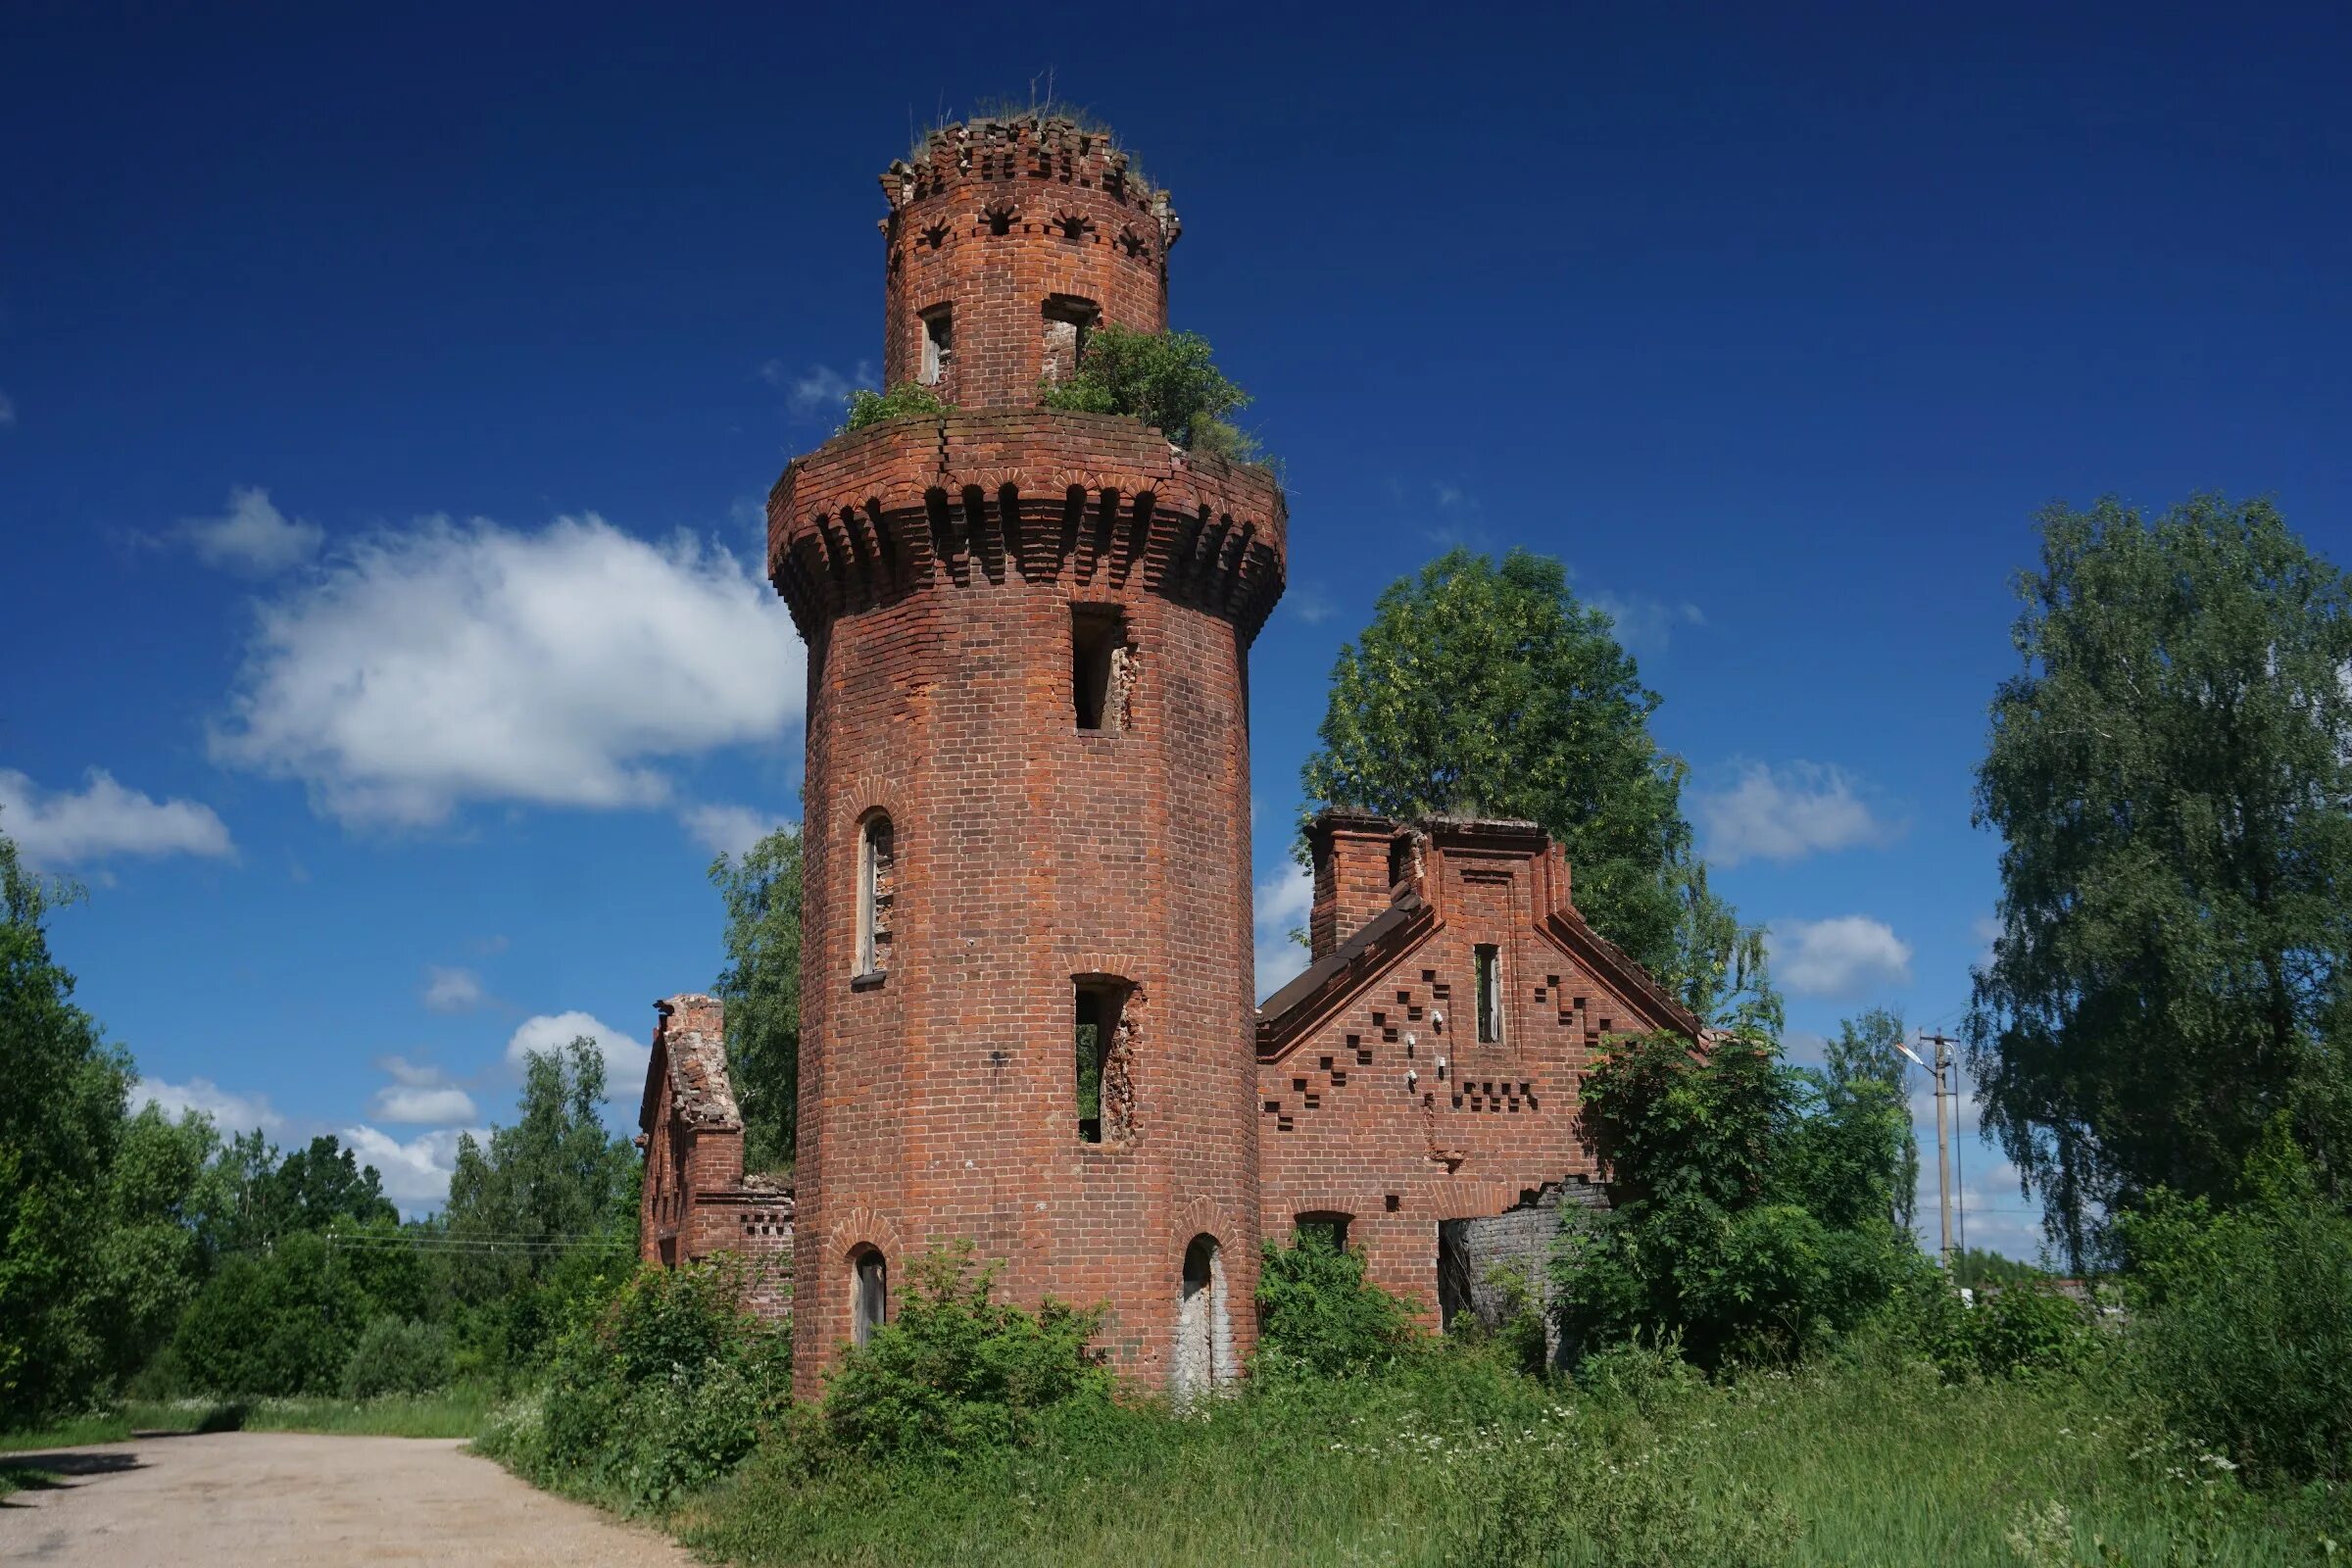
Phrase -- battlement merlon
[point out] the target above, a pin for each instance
(1103, 500)
(1044, 147)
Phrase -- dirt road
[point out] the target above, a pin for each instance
(257, 1500)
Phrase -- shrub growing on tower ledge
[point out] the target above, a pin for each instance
(1165, 379)
(868, 406)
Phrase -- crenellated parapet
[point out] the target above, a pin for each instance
(1099, 500)
(1048, 148)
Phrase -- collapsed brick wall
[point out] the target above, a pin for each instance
(697, 1201)
(1485, 1261)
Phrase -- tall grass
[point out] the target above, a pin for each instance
(1452, 1462)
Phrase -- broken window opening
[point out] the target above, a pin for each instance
(1329, 1223)
(869, 1293)
(1455, 1280)
(1488, 960)
(1102, 669)
(1069, 322)
(939, 342)
(876, 863)
(1105, 1043)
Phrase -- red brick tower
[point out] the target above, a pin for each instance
(1027, 990)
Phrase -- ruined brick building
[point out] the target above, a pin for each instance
(1027, 978)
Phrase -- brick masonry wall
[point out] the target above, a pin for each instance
(933, 565)
(996, 219)
(1372, 1109)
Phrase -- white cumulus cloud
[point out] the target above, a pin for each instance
(459, 662)
(252, 536)
(1283, 904)
(1786, 813)
(232, 1112)
(729, 829)
(625, 1059)
(415, 1173)
(1842, 956)
(103, 818)
(452, 990)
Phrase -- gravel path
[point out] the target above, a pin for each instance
(267, 1500)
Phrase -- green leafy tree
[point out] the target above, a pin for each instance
(762, 988)
(2169, 773)
(156, 1243)
(1167, 379)
(1863, 1062)
(286, 1321)
(553, 1187)
(1490, 688)
(1750, 1211)
(60, 1122)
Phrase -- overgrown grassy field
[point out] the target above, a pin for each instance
(454, 1413)
(1454, 1464)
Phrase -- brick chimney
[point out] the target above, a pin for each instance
(1350, 852)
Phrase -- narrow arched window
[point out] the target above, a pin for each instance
(877, 854)
(869, 1293)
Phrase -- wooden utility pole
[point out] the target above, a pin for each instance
(1942, 1070)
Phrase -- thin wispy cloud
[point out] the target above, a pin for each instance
(1283, 902)
(101, 820)
(819, 389)
(1645, 624)
(452, 990)
(729, 829)
(8, 411)
(251, 537)
(1786, 813)
(459, 662)
(1311, 603)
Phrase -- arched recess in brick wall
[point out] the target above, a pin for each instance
(1204, 1359)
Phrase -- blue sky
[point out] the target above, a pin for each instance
(386, 401)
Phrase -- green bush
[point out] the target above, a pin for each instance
(1753, 1200)
(2242, 1319)
(1165, 379)
(1318, 1316)
(958, 1372)
(397, 1355)
(2027, 1328)
(868, 406)
(658, 1393)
